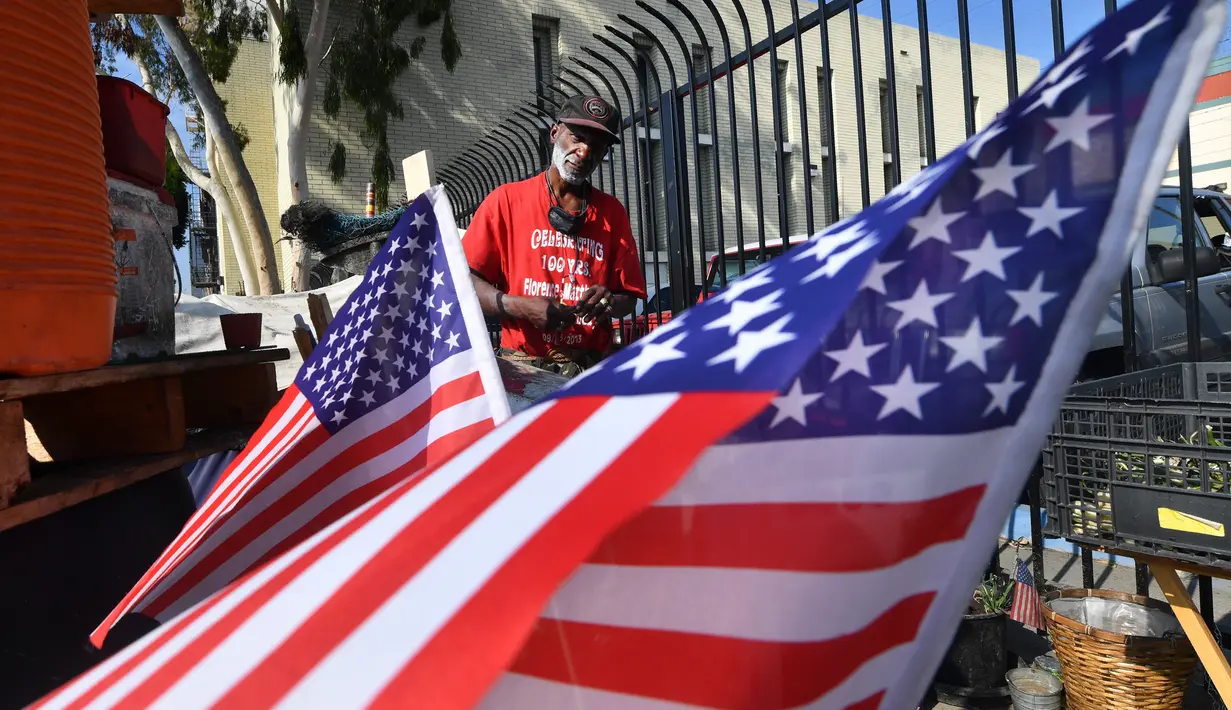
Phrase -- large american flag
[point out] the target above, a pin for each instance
(402, 379)
(784, 497)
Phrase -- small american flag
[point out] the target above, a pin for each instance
(402, 379)
(1026, 608)
(781, 498)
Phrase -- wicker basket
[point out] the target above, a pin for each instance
(1109, 671)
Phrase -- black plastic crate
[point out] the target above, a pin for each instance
(1142, 462)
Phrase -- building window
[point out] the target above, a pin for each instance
(922, 126)
(545, 37)
(788, 168)
(701, 64)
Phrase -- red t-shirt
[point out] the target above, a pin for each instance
(511, 243)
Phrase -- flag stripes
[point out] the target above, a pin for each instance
(712, 671)
(765, 535)
(278, 517)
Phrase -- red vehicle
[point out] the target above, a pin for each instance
(649, 318)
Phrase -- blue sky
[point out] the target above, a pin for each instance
(1033, 37)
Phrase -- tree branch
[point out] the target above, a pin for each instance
(276, 13)
(185, 161)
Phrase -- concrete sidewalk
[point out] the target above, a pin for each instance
(1063, 569)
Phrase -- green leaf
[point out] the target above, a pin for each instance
(337, 163)
(331, 102)
(292, 59)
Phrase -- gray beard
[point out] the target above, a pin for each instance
(568, 174)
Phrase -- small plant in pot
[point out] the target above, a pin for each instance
(977, 660)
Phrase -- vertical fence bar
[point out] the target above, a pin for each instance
(968, 93)
(803, 114)
(861, 126)
(775, 105)
(675, 178)
(756, 136)
(831, 140)
(696, 150)
(1010, 48)
(891, 83)
(489, 180)
(648, 194)
(632, 318)
(719, 217)
(1057, 28)
(925, 68)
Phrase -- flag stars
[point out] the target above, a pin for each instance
(1132, 39)
(653, 354)
(339, 417)
(744, 312)
(406, 267)
(1075, 128)
(1002, 392)
(1030, 302)
(903, 395)
(438, 277)
(933, 224)
(921, 306)
(445, 309)
(1048, 216)
(792, 405)
(419, 221)
(1049, 96)
(987, 258)
(368, 398)
(451, 341)
(854, 357)
(972, 347)
(875, 280)
(1001, 176)
(393, 384)
(751, 343)
(373, 377)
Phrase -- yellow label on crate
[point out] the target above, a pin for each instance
(1169, 519)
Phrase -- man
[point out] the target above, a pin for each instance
(553, 257)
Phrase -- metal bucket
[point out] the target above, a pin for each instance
(1033, 689)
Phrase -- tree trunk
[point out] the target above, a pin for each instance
(293, 105)
(210, 183)
(228, 153)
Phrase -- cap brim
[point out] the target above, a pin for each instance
(591, 124)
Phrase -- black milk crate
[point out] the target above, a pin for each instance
(1142, 462)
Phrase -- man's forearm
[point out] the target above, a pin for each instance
(490, 297)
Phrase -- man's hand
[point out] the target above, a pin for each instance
(594, 303)
(542, 313)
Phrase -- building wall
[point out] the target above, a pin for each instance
(249, 103)
(446, 112)
(1209, 127)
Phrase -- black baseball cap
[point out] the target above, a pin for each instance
(594, 112)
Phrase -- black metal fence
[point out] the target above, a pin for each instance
(687, 158)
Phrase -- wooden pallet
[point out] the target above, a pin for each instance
(70, 437)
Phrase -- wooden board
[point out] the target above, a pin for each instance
(125, 418)
(58, 486)
(229, 396)
(321, 313)
(14, 463)
(174, 8)
(21, 387)
(1212, 657)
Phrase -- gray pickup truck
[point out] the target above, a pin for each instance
(1159, 313)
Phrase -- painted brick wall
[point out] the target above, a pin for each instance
(445, 111)
(250, 104)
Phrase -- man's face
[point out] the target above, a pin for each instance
(577, 151)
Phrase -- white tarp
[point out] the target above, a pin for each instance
(197, 328)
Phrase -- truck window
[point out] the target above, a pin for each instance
(1164, 230)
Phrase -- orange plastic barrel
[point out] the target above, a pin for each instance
(57, 263)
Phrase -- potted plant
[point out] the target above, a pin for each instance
(977, 660)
